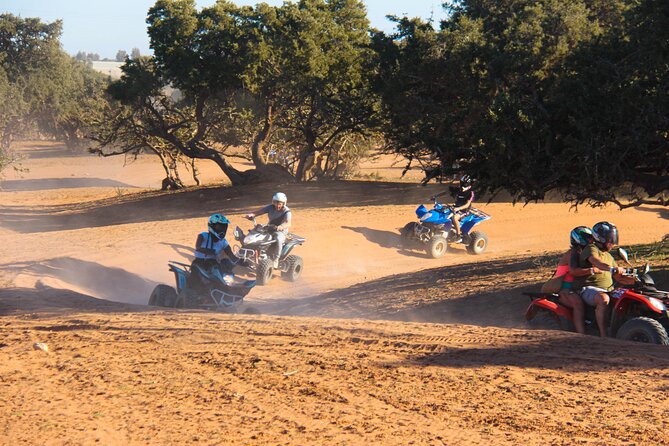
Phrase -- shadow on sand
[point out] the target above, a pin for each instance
(486, 294)
(197, 202)
(185, 251)
(110, 284)
(47, 302)
(548, 352)
(392, 240)
(478, 293)
(58, 183)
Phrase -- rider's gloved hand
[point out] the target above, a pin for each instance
(271, 228)
(433, 197)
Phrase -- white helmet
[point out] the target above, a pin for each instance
(280, 196)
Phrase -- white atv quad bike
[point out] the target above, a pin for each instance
(257, 249)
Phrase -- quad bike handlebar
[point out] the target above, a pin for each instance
(261, 228)
(442, 206)
(637, 272)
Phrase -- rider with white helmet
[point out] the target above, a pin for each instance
(280, 216)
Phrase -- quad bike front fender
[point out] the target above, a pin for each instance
(629, 298)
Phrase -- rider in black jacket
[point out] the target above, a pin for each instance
(464, 196)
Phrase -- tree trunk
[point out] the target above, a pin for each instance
(302, 165)
(195, 172)
(261, 139)
(237, 177)
(171, 180)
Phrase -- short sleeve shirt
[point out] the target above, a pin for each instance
(602, 280)
(277, 217)
(463, 197)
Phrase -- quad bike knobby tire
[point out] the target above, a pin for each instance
(163, 296)
(264, 271)
(545, 320)
(437, 247)
(478, 243)
(406, 234)
(295, 266)
(184, 299)
(643, 329)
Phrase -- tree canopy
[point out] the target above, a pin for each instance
(289, 84)
(527, 96)
(533, 96)
(41, 87)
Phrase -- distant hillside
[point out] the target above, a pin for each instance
(109, 67)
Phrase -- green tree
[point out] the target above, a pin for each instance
(293, 78)
(75, 95)
(41, 87)
(121, 56)
(533, 96)
(27, 47)
(322, 82)
(614, 99)
(144, 117)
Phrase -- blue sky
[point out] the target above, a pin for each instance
(104, 27)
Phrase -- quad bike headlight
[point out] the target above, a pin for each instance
(426, 216)
(657, 304)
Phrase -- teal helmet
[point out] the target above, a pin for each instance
(218, 225)
(580, 236)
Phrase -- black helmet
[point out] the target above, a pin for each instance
(580, 236)
(605, 232)
(465, 182)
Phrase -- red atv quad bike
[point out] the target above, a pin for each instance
(637, 313)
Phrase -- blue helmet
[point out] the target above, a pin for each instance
(218, 225)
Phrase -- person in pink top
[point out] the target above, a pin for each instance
(568, 268)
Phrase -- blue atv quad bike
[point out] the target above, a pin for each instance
(434, 230)
(204, 290)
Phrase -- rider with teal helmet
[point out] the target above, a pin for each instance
(211, 248)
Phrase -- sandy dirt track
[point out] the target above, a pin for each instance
(84, 241)
(116, 246)
(176, 378)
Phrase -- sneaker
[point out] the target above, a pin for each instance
(275, 265)
(458, 239)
